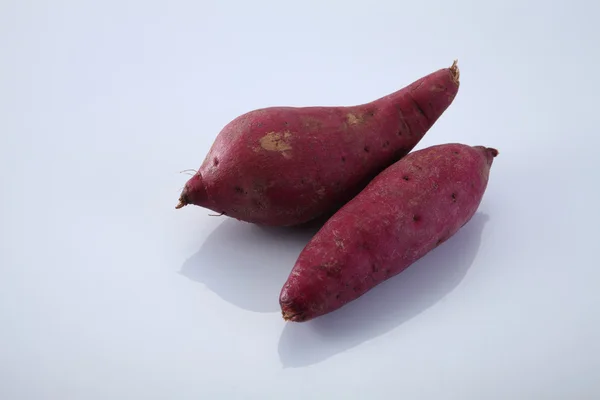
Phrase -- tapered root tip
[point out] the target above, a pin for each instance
(493, 152)
(290, 316)
(455, 72)
(183, 201)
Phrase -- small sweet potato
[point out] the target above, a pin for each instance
(289, 165)
(406, 211)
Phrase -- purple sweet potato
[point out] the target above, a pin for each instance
(406, 211)
(285, 166)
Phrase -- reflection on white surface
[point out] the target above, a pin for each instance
(246, 264)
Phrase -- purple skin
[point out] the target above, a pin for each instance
(284, 166)
(406, 211)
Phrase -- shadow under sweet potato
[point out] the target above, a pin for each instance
(247, 264)
(386, 306)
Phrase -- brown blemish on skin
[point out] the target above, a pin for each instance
(312, 123)
(353, 119)
(339, 242)
(331, 269)
(356, 119)
(276, 141)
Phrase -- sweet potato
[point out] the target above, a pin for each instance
(406, 211)
(285, 166)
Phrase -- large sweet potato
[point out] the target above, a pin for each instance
(405, 212)
(289, 165)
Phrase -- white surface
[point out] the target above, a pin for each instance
(108, 292)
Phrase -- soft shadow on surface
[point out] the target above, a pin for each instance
(247, 264)
(386, 306)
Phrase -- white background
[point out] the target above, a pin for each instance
(108, 292)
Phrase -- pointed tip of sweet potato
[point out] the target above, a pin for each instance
(194, 192)
(455, 72)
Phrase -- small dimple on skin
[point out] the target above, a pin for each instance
(366, 149)
(259, 204)
(216, 161)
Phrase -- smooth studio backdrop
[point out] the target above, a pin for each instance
(108, 292)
